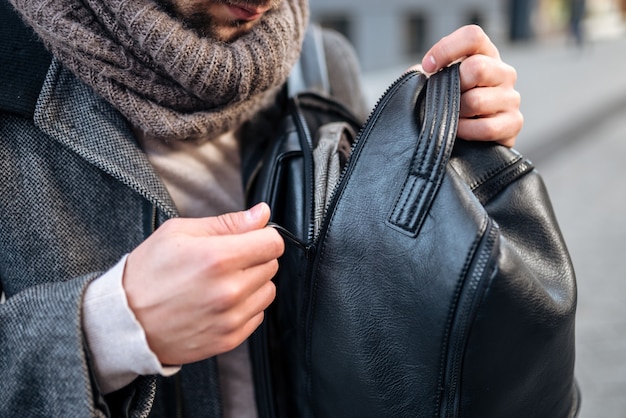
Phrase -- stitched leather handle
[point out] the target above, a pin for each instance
(434, 147)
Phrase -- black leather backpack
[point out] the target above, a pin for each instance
(435, 282)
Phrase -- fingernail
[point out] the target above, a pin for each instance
(255, 212)
(429, 64)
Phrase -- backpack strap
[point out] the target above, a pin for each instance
(310, 72)
(24, 63)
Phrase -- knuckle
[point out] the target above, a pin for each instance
(475, 33)
(230, 325)
(512, 73)
(516, 97)
(229, 343)
(274, 266)
(477, 65)
(276, 245)
(492, 131)
(515, 125)
(228, 296)
(520, 119)
(217, 259)
(257, 320)
(214, 264)
(169, 225)
(472, 103)
(270, 288)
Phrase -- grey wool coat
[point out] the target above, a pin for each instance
(77, 193)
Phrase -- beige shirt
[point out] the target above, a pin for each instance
(204, 179)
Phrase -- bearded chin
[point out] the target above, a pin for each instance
(203, 24)
(206, 27)
(273, 3)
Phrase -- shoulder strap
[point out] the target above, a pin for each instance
(310, 72)
(24, 63)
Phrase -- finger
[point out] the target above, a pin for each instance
(252, 325)
(239, 222)
(227, 253)
(255, 307)
(251, 283)
(238, 323)
(221, 323)
(261, 299)
(487, 101)
(464, 42)
(214, 341)
(236, 222)
(227, 224)
(242, 295)
(484, 71)
(501, 128)
(242, 334)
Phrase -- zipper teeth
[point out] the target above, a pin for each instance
(356, 145)
(179, 397)
(154, 218)
(469, 306)
(303, 127)
(313, 256)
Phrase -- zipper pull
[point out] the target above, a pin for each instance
(289, 236)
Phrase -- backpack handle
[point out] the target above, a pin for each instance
(434, 147)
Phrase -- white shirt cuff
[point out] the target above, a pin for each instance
(116, 340)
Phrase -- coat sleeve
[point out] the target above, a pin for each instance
(51, 247)
(44, 365)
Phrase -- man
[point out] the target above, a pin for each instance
(138, 126)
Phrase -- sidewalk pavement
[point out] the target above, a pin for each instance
(586, 185)
(574, 105)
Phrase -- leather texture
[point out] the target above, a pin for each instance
(439, 284)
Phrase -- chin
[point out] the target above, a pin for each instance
(231, 33)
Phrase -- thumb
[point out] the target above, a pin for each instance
(240, 222)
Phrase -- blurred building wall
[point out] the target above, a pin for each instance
(393, 32)
(390, 32)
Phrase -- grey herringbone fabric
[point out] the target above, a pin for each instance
(64, 219)
(95, 131)
(327, 165)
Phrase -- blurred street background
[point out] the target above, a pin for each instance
(573, 87)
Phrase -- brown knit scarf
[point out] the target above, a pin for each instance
(164, 78)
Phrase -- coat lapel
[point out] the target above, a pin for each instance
(71, 113)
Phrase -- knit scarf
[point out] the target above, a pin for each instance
(167, 80)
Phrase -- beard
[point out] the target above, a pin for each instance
(197, 16)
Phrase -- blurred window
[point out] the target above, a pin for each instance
(340, 23)
(415, 33)
(474, 17)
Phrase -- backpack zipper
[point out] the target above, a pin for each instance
(357, 146)
(470, 293)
